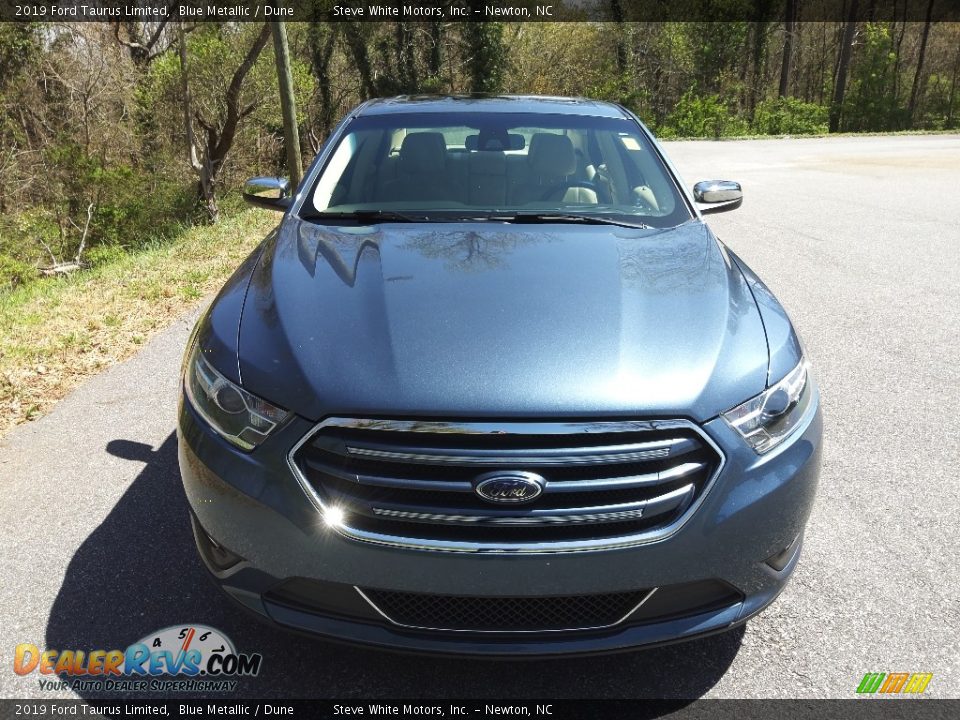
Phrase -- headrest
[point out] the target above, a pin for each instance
(423, 152)
(551, 155)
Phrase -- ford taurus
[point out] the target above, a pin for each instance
(493, 387)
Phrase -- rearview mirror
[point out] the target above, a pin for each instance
(269, 192)
(515, 141)
(718, 195)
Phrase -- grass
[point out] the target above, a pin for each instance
(55, 333)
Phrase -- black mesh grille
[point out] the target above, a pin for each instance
(504, 614)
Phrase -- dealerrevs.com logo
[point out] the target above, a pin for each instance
(185, 658)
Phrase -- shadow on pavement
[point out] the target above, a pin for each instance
(138, 572)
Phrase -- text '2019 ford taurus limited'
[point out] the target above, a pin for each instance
(493, 387)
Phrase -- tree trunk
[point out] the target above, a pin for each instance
(953, 89)
(616, 11)
(918, 77)
(321, 38)
(400, 67)
(357, 45)
(205, 193)
(288, 105)
(759, 70)
(485, 50)
(787, 60)
(898, 44)
(219, 139)
(843, 65)
(435, 58)
(410, 69)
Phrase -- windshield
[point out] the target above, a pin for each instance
(476, 166)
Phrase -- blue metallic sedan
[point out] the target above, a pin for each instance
(493, 387)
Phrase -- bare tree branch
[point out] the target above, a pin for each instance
(86, 231)
(233, 94)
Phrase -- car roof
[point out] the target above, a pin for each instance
(491, 104)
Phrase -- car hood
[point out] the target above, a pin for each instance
(500, 320)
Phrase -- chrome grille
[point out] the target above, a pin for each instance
(413, 483)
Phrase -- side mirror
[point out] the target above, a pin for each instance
(268, 192)
(718, 195)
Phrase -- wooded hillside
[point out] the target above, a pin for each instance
(114, 135)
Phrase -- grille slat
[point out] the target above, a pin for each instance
(610, 483)
(380, 481)
(598, 514)
(413, 483)
(630, 452)
(631, 481)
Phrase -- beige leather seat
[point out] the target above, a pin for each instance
(487, 179)
(551, 164)
(422, 165)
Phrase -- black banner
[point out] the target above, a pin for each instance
(858, 709)
(469, 10)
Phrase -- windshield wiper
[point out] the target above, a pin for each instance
(564, 217)
(378, 216)
(367, 216)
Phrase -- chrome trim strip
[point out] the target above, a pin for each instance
(555, 486)
(623, 483)
(538, 520)
(554, 516)
(607, 456)
(502, 632)
(401, 483)
(543, 427)
(643, 538)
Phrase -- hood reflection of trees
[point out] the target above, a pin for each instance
(465, 250)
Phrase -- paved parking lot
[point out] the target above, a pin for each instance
(860, 239)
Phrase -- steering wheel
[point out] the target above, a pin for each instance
(562, 187)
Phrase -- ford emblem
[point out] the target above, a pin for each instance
(509, 487)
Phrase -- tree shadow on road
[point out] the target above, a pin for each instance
(138, 572)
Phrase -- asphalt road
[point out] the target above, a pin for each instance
(860, 239)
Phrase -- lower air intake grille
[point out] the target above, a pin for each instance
(504, 614)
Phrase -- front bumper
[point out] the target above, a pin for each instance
(250, 506)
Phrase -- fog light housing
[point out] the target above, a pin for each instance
(781, 559)
(216, 555)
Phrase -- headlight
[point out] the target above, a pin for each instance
(243, 419)
(768, 419)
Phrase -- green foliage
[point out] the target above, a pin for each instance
(870, 105)
(128, 206)
(789, 116)
(705, 116)
(937, 114)
(18, 48)
(85, 120)
(716, 48)
(105, 255)
(14, 273)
